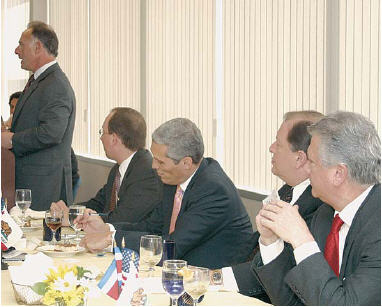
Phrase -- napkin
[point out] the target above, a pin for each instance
(15, 211)
(273, 197)
(32, 270)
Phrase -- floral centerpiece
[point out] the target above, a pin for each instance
(66, 286)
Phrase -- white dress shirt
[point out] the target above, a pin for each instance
(39, 71)
(272, 251)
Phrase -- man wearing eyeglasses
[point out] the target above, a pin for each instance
(132, 188)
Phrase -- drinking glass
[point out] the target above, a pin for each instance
(172, 280)
(196, 282)
(74, 212)
(23, 200)
(150, 252)
(53, 219)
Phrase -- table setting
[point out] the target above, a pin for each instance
(63, 273)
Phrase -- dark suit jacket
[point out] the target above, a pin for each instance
(313, 282)
(43, 124)
(139, 193)
(245, 279)
(213, 228)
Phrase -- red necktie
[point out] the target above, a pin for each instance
(332, 245)
(176, 208)
(115, 190)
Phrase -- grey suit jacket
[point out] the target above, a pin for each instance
(212, 229)
(43, 125)
(139, 193)
(245, 279)
(313, 282)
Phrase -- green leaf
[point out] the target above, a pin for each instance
(40, 288)
(81, 272)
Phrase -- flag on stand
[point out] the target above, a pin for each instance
(125, 262)
(10, 231)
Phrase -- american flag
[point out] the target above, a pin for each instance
(124, 265)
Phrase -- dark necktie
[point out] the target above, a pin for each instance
(287, 195)
(30, 80)
(115, 190)
(332, 245)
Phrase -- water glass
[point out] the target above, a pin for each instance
(150, 252)
(74, 212)
(172, 279)
(23, 199)
(196, 282)
(53, 219)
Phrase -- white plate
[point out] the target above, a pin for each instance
(30, 229)
(54, 253)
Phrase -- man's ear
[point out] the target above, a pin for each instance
(38, 47)
(187, 162)
(340, 174)
(301, 158)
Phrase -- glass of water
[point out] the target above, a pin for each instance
(23, 199)
(172, 279)
(150, 252)
(74, 212)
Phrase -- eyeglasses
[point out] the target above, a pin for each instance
(101, 132)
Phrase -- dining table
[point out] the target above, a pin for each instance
(220, 297)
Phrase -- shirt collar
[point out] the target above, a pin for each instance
(299, 189)
(39, 71)
(347, 214)
(125, 164)
(184, 185)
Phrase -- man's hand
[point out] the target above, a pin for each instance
(267, 236)
(98, 241)
(286, 222)
(91, 223)
(60, 205)
(6, 139)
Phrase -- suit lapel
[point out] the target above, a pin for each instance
(361, 217)
(188, 191)
(20, 104)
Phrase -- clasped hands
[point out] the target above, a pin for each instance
(278, 219)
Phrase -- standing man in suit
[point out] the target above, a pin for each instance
(201, 209)
(43, 121)
(337, 261)
(123, 135)
(289, 163)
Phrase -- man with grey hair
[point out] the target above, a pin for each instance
(337, 261)
(43, 121)
(201, 209)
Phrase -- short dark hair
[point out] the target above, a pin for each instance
(130, 126)
(46, 35)
(299, 137)
(13, 96)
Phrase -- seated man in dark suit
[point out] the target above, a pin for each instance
(133, 188)
(289, 163)
(201, 209)
(337, 260)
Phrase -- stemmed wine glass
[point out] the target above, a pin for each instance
(172, 279)
(196, 282)
(53, 219)
(23, 199)
(150, 252)
(74, 212)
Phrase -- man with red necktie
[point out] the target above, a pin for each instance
(337, 261)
